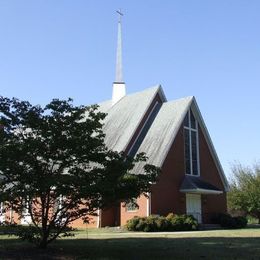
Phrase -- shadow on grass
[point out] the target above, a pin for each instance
(137, 248)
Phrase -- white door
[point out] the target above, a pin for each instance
(193, 206)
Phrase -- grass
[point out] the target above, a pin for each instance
(118, 244)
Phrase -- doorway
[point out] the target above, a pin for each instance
(193, 206)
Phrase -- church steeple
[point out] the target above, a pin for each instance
(119, 69)
(119, 89)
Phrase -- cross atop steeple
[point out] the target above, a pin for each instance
(119, 90)
(120, 14)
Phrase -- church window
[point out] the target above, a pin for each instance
(132, 206)
(191, 144)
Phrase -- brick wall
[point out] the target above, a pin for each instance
(141, 212)
(166, 196)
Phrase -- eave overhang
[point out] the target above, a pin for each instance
(195, 184)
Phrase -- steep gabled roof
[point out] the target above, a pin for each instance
(124, 117)
(164, 129)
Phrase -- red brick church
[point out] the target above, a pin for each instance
(174, 136)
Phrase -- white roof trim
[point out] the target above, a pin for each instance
(161, 94)
(201, 191)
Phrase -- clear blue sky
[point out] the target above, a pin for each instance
(209, 49)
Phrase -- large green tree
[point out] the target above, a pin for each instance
(244, 192)
(55, 165)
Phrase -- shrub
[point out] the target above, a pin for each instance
(7, 228)
(182, 222)
(141, 225)
(162, 224)
(227, 221)
(132, 223)
(150, 224)
(241, 221)
(175, 222)
(29, 233)
(159, 223)
(191, 223)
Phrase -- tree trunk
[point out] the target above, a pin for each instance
(43, 243)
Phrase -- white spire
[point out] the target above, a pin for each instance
(119, 71)
(119, 89)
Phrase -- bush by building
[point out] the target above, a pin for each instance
(155, 223)
(227, 221)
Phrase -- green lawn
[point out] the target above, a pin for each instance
(117, 244)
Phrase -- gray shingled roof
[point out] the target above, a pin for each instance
(124, 117)
(163, 131)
